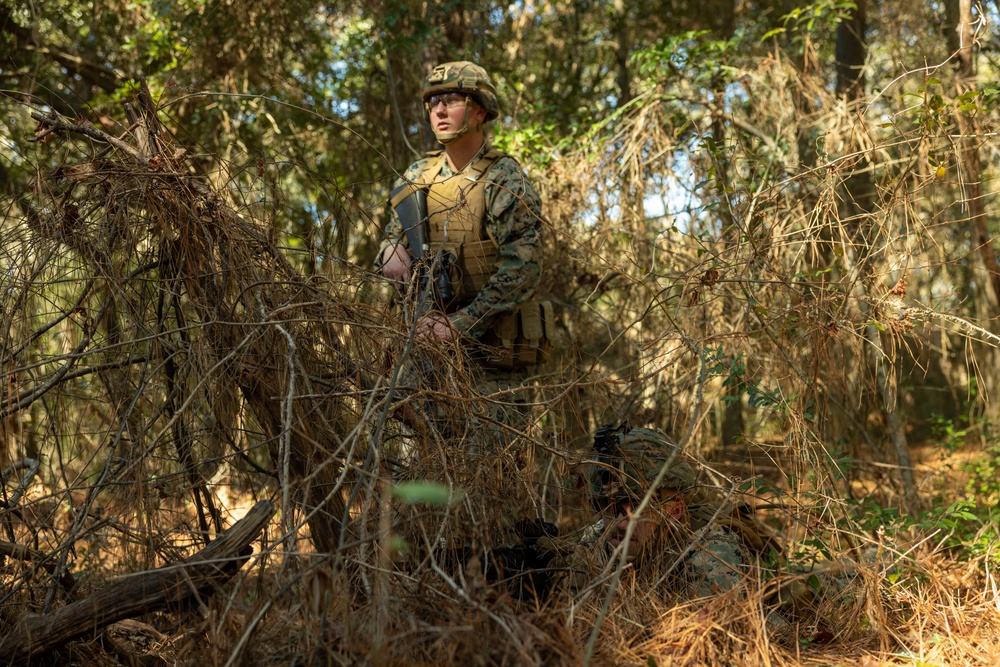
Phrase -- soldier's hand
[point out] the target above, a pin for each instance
(396, 264)
(436, 326)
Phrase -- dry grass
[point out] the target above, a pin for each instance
(169, 365)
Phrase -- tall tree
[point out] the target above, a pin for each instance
(859, 206)
(961, 40)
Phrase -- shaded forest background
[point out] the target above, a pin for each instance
(768, 232)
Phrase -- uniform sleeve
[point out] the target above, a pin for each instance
(514, 220)
(393, 235)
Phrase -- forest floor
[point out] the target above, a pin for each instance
(933, 600)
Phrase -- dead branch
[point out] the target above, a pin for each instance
(93, 133)
(28, 464)
(27, 554)
(163, 588)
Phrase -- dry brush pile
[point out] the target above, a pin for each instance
(165, 367)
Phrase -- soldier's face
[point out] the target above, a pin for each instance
(666, 506)
(616, 518)
(453, 110)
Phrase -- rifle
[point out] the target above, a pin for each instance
(410, 203)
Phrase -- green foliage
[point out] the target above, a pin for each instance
(841, 462)
(427, 493)
(735, 371)
(693, 56)
(984, 477)
(958, 518)
(160, 42)
(947, 433)
(528, 143)
(823, 15)
(964, 527)
(399, 545)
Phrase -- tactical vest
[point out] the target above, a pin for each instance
(456, 212)
(456, 224)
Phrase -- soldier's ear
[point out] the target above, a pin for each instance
(479, 111)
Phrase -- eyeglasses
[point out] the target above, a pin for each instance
(449, 100)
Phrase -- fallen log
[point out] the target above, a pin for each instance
(164, 588)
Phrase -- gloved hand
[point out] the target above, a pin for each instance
(437, 326)
(535, 537)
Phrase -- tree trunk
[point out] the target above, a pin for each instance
(851, 51)
(972, 181)
(449, 47)
(621, 30)
(859, 204)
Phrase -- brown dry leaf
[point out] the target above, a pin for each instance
(899, 289)
(41, 132)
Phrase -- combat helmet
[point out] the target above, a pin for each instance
(463, 77)
(629, 460)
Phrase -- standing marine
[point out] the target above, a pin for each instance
(465, 233)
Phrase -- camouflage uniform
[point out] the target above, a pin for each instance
(514, 220)
(510, 221)
(716, 541)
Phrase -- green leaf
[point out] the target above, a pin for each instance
(428, 493)
(398, 544)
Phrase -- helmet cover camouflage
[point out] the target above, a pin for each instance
(463, 77)
(630, 460)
